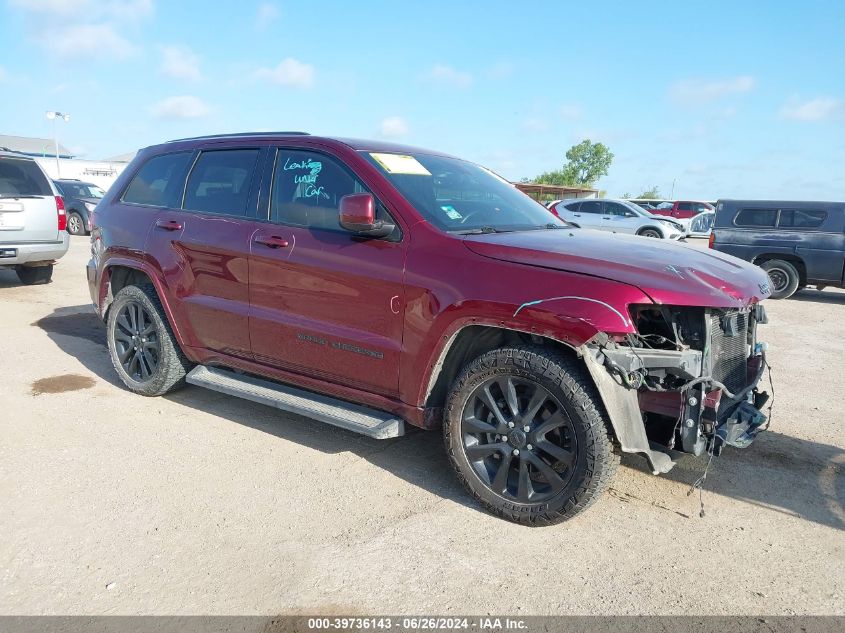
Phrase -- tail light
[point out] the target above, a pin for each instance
(712, 241)
(60, 211)
(553, 209)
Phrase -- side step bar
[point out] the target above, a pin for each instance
(377, 424)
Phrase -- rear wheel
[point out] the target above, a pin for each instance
(784, 277)
(525, 433)
(141, 344)
(75, 224)
(35, 275)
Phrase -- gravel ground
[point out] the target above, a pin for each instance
(199, 503)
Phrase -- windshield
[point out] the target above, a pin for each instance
(461, 197)
(665, 205)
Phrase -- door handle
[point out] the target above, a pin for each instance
(577, 215)
(605, 217)
(272, 241)
(169, 225)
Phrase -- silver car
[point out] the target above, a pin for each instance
(33, 222)
(617, 216)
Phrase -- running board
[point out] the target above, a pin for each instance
(353, 417)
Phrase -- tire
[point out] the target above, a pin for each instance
(141, 344)
(551, 475)
(784, 277)
(75, 224)
(650, 233)
(35, 275)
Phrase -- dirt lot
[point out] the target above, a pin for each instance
(198, 503)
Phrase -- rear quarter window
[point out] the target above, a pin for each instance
(756, 217)
(801, 218)
(159, 180)
(22, 177)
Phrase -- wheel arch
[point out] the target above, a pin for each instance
(793, 259)
(465, 345)
(651, 227)
(119, 273)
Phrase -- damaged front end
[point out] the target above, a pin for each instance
(686, 381)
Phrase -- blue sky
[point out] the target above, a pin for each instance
(743, 99)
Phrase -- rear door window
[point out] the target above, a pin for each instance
(756, 217)
(801, 219)
(685, 206)
(220, 181)
(22, 177)
(159, 181)
(590, 206)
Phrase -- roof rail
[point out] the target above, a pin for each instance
(239, 135)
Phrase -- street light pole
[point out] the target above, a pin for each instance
(52, 115)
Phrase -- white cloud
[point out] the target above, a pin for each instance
(570, 111)
(393, 127)
(266, 14)
(289, 72)
(697, 91)
(84, 40)
(69, 29)
(448, 76)
(87, 9)
(535, 124)
(180, 62)
(817, 109)
(181, 107)
(501, 70)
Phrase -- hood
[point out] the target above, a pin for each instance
(668, 272)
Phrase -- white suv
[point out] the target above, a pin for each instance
(33, 223)
(616, 216)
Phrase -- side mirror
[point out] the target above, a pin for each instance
(358, 214)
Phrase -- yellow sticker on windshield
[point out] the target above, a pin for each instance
(400, 164)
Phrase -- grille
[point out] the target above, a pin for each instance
(728, 348)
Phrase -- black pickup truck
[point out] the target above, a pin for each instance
(797, 243)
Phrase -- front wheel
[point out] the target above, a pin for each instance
(525, 432)
(142, 347)
(650, 233)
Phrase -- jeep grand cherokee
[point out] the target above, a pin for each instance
(370, 285)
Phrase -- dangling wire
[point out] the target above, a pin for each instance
(699, 483)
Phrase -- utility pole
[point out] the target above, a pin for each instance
(52, 115)
(672, 195)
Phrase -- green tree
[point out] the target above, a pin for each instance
(650, 194)
(586, 163)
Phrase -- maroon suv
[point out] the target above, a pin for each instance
(370, 285)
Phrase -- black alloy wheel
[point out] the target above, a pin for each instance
(136, 342)
(518, 439)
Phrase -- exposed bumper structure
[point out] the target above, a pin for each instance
(681, 398)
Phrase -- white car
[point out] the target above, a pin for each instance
(700, 225)
(616, 216)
